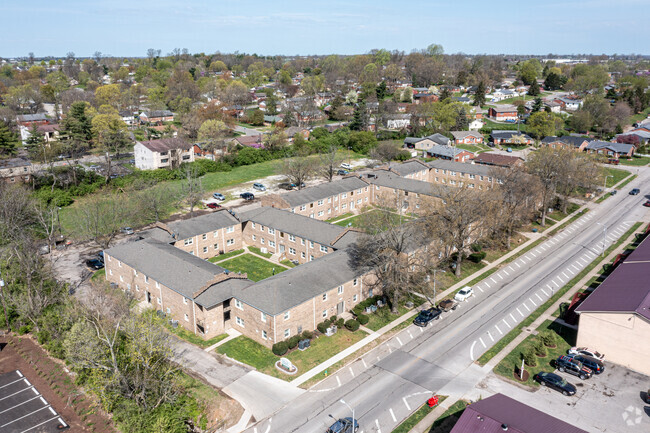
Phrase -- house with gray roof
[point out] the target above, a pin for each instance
(402, 193)
(467, 137)
(613, 150)
(449, 152)
(14, 170)
(422, 143)
(510, 137)
(573, 142)
(163, 153)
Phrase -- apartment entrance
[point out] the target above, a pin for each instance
(340, 308)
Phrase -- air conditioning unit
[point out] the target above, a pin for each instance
(263, 250)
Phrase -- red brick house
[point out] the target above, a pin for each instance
(467, 137)
(503, 113)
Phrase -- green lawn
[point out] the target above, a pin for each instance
(183, 333)
(558, 215)
(449, 278)
(100, 275)
(628, 180)
(520, 98)
(615, 175)
(565, 338)
(360, 220)
(635, 161)
(344, 216)
(225, 256)
(469, 147)
(259, 252)
(256, 267)
(383, 315)
(288, 263)
(249, 352)
(416, 417)
(642, 115)
(448, 419)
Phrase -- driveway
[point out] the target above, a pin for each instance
(608, 402)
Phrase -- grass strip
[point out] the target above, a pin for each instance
(630, 179)
(417, 416)
(572, 219)
(455, 410)
(510, 336)
(225, 256)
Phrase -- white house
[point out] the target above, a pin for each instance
(165, 153)
(475, 125)
(398, 121)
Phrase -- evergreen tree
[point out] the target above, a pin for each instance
(336, 104)
(537, 106)
(360, 117)
(479, 96)
(382, 91)
(554, 81)
(34, 143)
(445, 94)
(76, 128)
(533, 90)
(8, 140)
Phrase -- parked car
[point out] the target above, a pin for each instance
(302, 185)
(448, 305)
(286, 185)
(427, 316)
(346, 166)
(565, 363)
(218, 196)
(556, 382)
(213, 205)
(647, 203)
(259, 186)
(635, 191)
(100, 256)
(613, 192)
(342, 172)
(464, 293)
(344, 425)
(127, 230)
(586, 351)
(509, 150)
(247, 196)
(95, 264)
(595, 364)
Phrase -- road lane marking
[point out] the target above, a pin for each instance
(351, 372)
(481, 340)
(519, 311)
(399, 341)
(504, 321)
(364, 363)
(392, 414)
(496, 326)
(471, 350)
(406, 404)
(338, 380)
(538, 297)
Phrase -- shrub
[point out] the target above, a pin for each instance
(477, 257)
(280, 348)
(308, 335)
(529, 357)
(293, 341)
(476, 247)
(340, 323)
(322, 327)
(363, 319)
(333, 319)
(352, 325)
(540, 349)
(548, 338)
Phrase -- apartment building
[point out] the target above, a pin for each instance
(458, 174)
(292, 236)
(404, 194)
(163, 153)
(412, 169)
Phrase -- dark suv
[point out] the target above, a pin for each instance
(247, 196)
(567, 364)
(596, 365)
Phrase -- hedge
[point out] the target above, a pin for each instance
(293, 341)
(352, 325)
(322, 327)
(280, 348)
(363, 319)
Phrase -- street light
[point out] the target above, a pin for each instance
(434, 284)
(352, 409)
(604, 237)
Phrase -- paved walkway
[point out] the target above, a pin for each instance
(232, 334)
(464, 388)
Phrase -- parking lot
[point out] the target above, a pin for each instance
(609, 402)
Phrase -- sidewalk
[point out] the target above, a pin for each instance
(478, 373)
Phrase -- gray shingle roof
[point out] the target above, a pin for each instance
(505, 135)
(445, 151)
(32, 117)
(298, 225)
(439, 138)
(460, 167)
(166, 264)
(217, 293)
(202, 224)
(615, 147)
(166, 144)
(408, 167)
(571, 140)
(459, 135)
(388, 180)
(322, 191)
(288, 289)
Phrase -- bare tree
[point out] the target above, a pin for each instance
(298, 169)
(385, 151)
(16, 212)
(330, 161)
(580, 171)
(154, 200)
(191, 189)
(550, 167)
(47, 218)
(100, 218)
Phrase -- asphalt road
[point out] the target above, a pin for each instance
(387, 384)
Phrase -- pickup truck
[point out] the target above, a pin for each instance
(448, 305)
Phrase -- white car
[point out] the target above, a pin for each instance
(346, 166)
(464, 293)
(586, 351)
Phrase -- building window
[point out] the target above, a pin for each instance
(292, 251)
(254, 237)
(329, 199)
(262, 241)
(230, 242)
(324, 296)
(311, 258)
(292, 238)
(253, 225)
(311, 244)
(271, 231)
(239, 321)
(272, 244)
(287, 333)
(472, 176)
(320, 202)
(354, 298)
(137, 288)
(287, 314)
(344, 195)
(354, 282)
(302, 254)
(110, 271)
(264, 335)
(303, 207)
(135, 272)
(323, 248)
(340, 291)
(302, 241)
(121, 278)
(205, 249)
(215, 234)
(184, 300)
(344, 206)
(128, 287)
(358, 201)
(205, 236)
(263, 317)
(187, 318)
(230, 229)
(216, 246)
(159, 301)
(320, 213)
(119, 263)
(188, 241)
(324, 313)
(238, 304)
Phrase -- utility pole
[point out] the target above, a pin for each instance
(2, 296)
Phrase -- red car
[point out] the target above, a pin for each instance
(213, 205)
(647, 203)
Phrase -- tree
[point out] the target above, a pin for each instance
(330, 161)
(445, 94)
(479, 96)
(191, 188)
(542, 124)
(580, 172)
(529, 70)
(459, 218)
(8, 140)
(101, 218)
(109, 94)
(537, 105)
(533, 90)
(547, 164)
(299, 169)
(382, 90)
(276, 140)
(76, 129)
(257, 117)
(213, 132)
(385, 151)
(554, 81)
(360, 118)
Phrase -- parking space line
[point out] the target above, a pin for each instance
(524, 304)
(377, 424)
(531, 300)
(507, 273)
(392, 414)
(518, 265)
(491, 337)
(493, 280)
(408, 331)
(487, 284)
(513, 318)
(421, 329)
(565, 275)
(519, 311)
(338, 380)
(575, 267)
(406, 403)
(501, 276)
(500, 332)
(533, 253)
(481, 340)
(364, 363)
(479, 288)
(504, 321)
(538, 297)
(399, 341)
(351, 372)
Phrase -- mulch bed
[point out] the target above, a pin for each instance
(523, 378)
(55, 384)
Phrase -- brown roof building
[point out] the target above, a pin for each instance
(497, 159)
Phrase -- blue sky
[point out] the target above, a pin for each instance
(129, 27)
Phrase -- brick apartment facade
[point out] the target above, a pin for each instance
(459, 174)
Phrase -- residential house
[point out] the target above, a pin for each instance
(573, 142)
(324, 201)
(156, 117)
(501, 94)
(164, 153)
(422, 98)
(422, 143)
(449, 152)
(290, 236)
(499, 413)
(554, 106)
(510, 137)
(613, 150)
(398, 121)
(50, 132)
(205, 236)
(28, 120)
(250, 140)
(467, 137)
(15, 170)
(293, 130)
(459, 174)
(639, 136)
(127, 117)
(615, 318)
(503, 113)
(497, 159)
(475, 125)
(569, 104)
